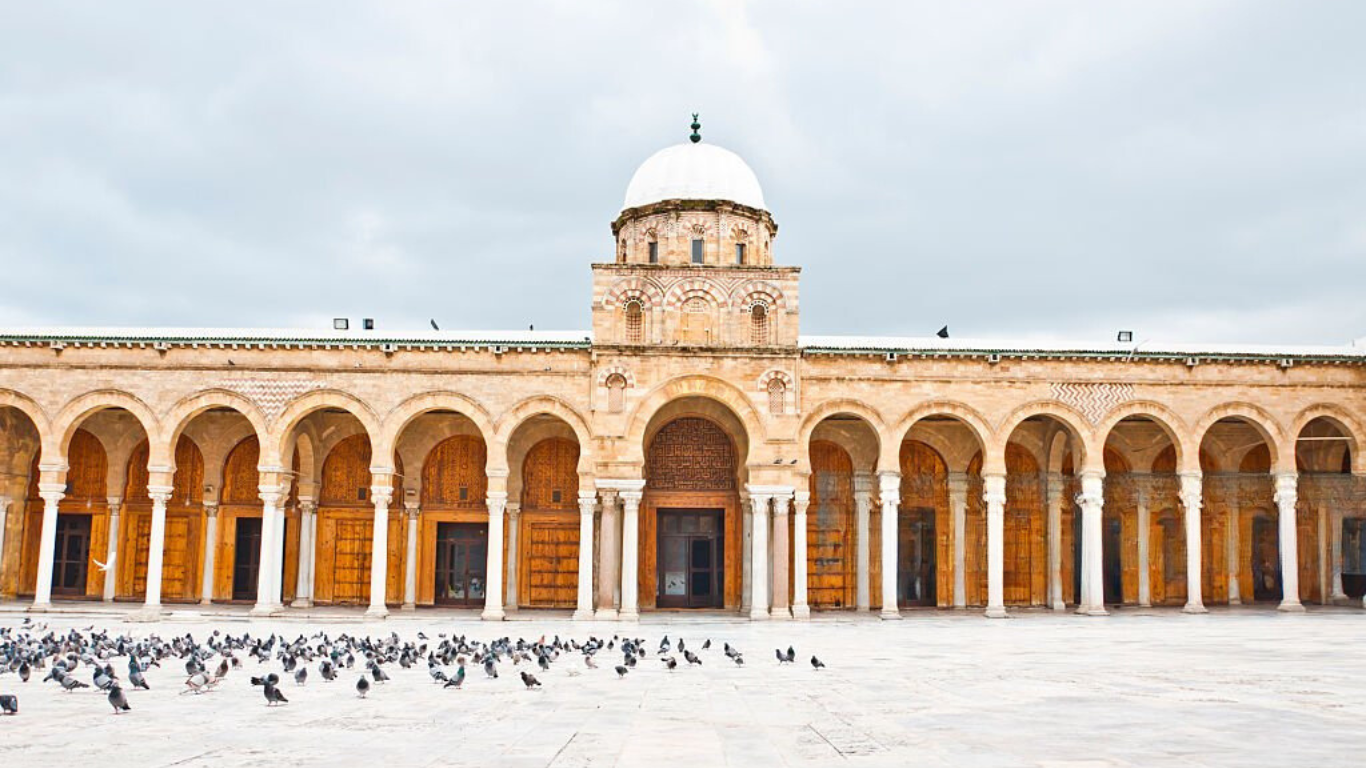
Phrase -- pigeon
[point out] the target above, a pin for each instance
(588, 661)
(273, 695)
(301, 675)
(692, 658)
(70, 683)
(117, 700)
(24, 671)
(9, 704)
(328, 671)
(621, 671)
(706, 644)
(817, 663)
(530, 681)
(664, 645)
(670, 662)
(103, 680)
(437, 675)
(362, 686)
(378, 674)
(490, 668)
(458, 679)
(136, 678)
(791, 655)
(197, 683)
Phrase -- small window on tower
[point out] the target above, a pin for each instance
(635, 323)
(654, 252)
(616, 393)
(739, 253)
(697, 251)
(758, 325)
(777, 394)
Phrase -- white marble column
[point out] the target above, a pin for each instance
(510, 569)
(308, 545)
(994, 496)
(746, 552)
(410, 558)
(1145, 589)
(210, 552)
(270, 568)
(1092, 503)
(800, 608)
(156, 548)
(1192, 497)
(1054, 501)
(630, 555)
(1233, 550)
(609, 559)
(1325, 559)
(782, 608)
(1287, 494)
(588, 502)
(889, 491)
(51, 494)
(4, 520)
(1335, 552)
(380, 495)
(863, 532)
(111, 551)
(493, 570)
(758, 582)
(958, 509)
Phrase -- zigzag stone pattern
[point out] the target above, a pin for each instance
(271, 395)
(1093, 400)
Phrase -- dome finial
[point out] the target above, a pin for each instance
(696, 126)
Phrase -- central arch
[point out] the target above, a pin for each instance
(691, 528)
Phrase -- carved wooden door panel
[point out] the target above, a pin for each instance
(830, 549)
(351, 565)
(551, 563)
(141, 536)
(175, 568)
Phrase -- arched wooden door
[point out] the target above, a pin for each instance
(1026, 567)
(452, 560)
(180, 559)
(924, 546)
(830, 537)
(82, 523)
(548, 535)
(346, 518)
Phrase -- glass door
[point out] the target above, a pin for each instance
(691, 559)
(72, 555)
(246, 559)
(461, 563)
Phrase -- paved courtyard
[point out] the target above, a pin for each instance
(1234, 688)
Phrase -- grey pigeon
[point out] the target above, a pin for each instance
(9, 704)
(70, 683)
(273, 695)
(457, 679)
(301, 675)
(817, 663)
(621, 671)
(362, 686)
(530, 681)
(117, 700)
(137, 679)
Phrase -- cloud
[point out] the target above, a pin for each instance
(1188, 169)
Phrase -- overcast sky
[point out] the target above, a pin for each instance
(1193, 171)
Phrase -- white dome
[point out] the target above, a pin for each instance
(694, 172)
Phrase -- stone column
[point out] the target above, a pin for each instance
(156, 548)
(994, 496)
(1335, 550)
(958, 511)
(51, 494)
(381, 495)
(889, 490)
(1145, 589)
(588, 501)
(758, 582)
(863, 564)
(1287, 494)
(609, 553)
(514, 527)
(781, 607)
(410, 558)
(111, 551)
(308, 545)
(1233, 550)
(800, 501)
(270, 568)
(630, 555)
(210, 551)
(1325, 556)
(1054, 501)
(493, 570)
(1192, 497)
(746, 552)
(1092, 503)
(4, 515)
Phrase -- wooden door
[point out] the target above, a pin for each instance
(72, 555)
(246, 564)
(830, 544)
(1026, 567)
(917, 582)
(550, 562)
(1266, 559)
(351, 562)
(461, 563)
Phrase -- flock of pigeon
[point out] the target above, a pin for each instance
(62, 658)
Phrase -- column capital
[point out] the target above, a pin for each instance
(211, 508)
(308, 505)
(52, 493)
(413, 508)
(958, 483)
(780, 508)
(160, 494)
(994, 488)
(588, 502)
(632, 498)
(800, 501)
(272, 495)
(1287, 488)
(889, 484)
(1092, 489)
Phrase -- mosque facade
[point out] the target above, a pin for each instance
(692, 451)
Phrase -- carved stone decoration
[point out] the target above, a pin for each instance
(1093, 400)
(271, 395)
(691, 454)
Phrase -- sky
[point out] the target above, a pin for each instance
(1188, 170)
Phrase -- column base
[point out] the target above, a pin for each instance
(758, 614)
(492, 614)
(1142, 604)
(376, 613)
(801, 612)
(582, 615)
(409, 607)
(147, 613)
(628, 616)
(1059, 606)
(605, 614)
(40, 608)
(997, 612)
(889, 614)
(1195, 608)
(1095, 610)
(107, 599)
(302, 602)
(1290, 606)
(1235, 600)
(262, 611)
